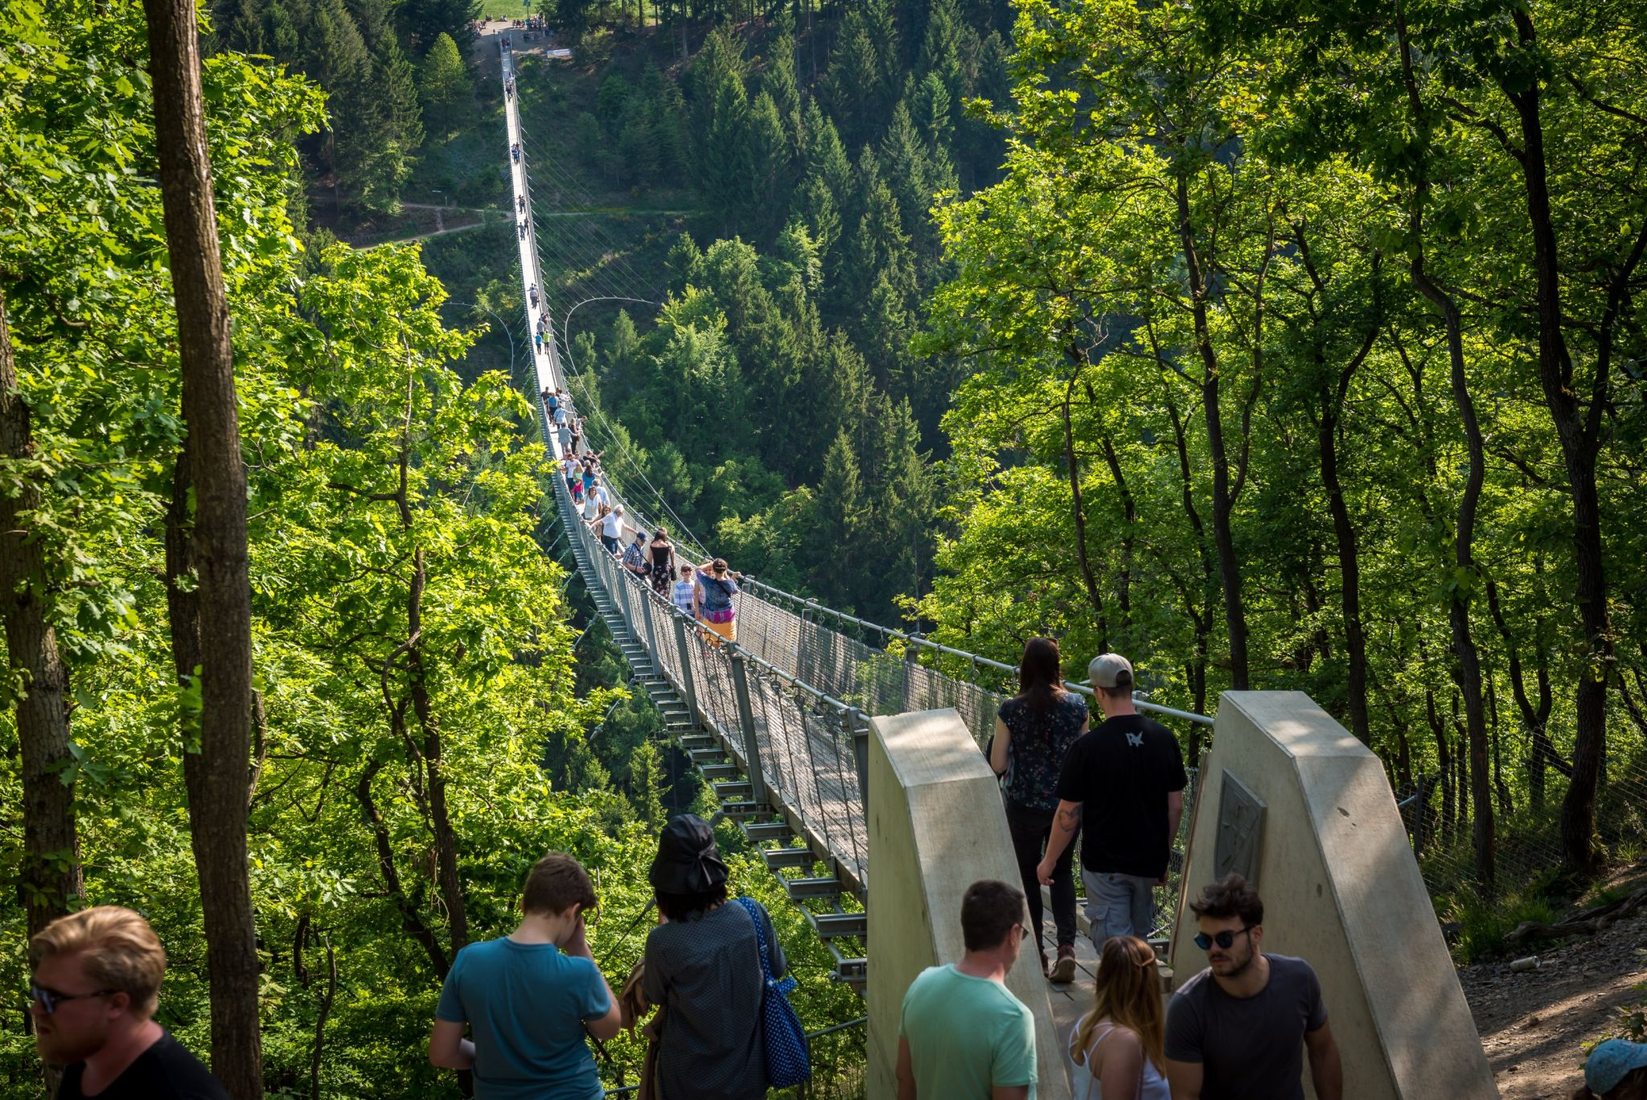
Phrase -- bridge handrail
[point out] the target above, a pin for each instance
(916, 638)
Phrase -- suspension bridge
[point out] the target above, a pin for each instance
(777, 722)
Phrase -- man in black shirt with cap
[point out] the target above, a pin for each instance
(1124, 781)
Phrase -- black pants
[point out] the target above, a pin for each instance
(1030, 830)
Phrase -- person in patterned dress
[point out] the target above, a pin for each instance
(1033, 731)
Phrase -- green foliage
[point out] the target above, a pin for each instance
(1194, 297)
(443, 85)
(1484, 922)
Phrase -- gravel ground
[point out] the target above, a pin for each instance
(1535, 1025)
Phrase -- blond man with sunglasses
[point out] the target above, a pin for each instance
(1241, 1027)
(95, 986)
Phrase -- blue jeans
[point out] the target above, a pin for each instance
(1119, 905)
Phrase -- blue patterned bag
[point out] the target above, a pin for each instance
(788, 1060)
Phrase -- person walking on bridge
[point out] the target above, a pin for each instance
(962, 1035)
(1240, 1027)
(663, 561)
(685, 593)
(634, 555)
(1033, 732)
(703, 968)
(718, 586)
(1123, 785)
(1115, 1051)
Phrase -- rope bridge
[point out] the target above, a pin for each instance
(778, 722)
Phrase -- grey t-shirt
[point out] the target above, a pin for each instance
(1248, 1047)
(707, 973)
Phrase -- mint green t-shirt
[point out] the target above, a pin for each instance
(966, 1035)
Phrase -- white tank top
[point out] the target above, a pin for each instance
(1084, 1086)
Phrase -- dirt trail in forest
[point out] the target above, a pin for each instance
(1535, 1025)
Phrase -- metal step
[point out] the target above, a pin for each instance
(706, 756)
(742, 811)
(831, 926)
(854, 971)
(736, 789)
(719, 771)
(768, 830)
(789, 857)
(800, 888)
(692, 742)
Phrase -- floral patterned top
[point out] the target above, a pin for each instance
(1036, 751)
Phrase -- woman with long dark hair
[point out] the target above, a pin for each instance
(1033, 731)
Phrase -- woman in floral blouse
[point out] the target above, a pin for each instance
(1032, 732)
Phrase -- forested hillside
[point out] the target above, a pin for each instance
(773, 398)
(1271, 355)
(418, 723)
(1310, 357)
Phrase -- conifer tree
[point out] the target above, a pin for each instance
(443, 85)
(853, 78)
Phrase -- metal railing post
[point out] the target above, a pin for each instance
(860, 754)
(746, 719)
(652, 635)
(688, 686)
(627, 609)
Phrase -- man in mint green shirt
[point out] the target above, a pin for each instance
(962, 1034)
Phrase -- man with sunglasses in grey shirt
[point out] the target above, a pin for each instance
(1239, 1029)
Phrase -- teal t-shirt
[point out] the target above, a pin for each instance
(966, 1035)
(525, 1005)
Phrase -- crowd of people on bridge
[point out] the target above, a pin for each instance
(704, 590)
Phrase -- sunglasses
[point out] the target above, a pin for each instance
(49, 999)
(1225, 939)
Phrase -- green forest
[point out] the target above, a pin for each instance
(1273, 351)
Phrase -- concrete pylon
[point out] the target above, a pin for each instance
(936, 826)
(1290, 798)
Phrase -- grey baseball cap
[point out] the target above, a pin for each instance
(1110, 671)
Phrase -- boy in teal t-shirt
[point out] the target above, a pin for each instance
(962, 1034)
(529, 998)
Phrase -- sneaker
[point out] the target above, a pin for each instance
(1063, 971)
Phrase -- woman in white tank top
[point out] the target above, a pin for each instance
(1114, 1051)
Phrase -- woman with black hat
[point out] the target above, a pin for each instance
(703, 966)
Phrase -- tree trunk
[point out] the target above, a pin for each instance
(49, 876)
(1534, 719)
(1466, 657)
(1332, 399)
(1223, 502)
(440, 820)
(1579, 434)
(1073, 465)
(1129, 527)
(1444, 760)
(411, 921)
(216, 776)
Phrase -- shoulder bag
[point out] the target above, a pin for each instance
(788, 1061)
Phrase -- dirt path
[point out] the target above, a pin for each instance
(1534, 1025)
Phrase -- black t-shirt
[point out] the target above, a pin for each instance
(1121, 773)
(165, 1071)
(1252, 1046)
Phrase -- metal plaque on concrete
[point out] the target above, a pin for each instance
(1240, 831)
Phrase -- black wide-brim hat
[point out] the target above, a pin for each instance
(688, 861)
